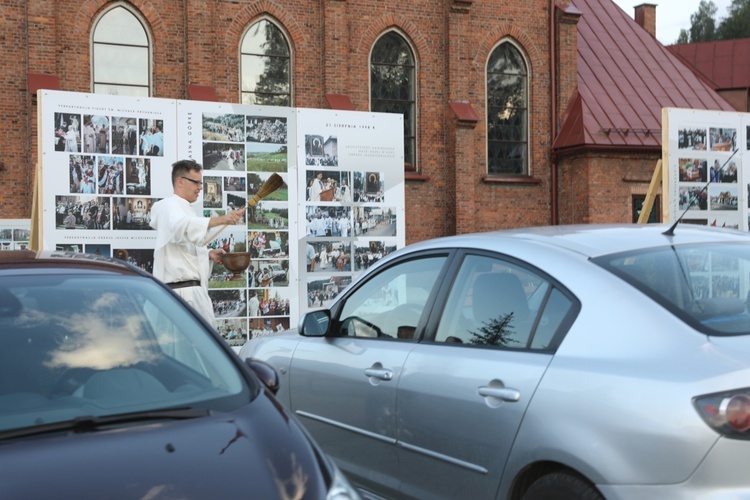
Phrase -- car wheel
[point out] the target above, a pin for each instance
(562, 486)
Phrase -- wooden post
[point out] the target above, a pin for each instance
(648, 203)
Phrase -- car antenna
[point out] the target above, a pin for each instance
(670, 231)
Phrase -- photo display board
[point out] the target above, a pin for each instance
(15, 234)
(706, 181)
(105, 160)
(706, 167)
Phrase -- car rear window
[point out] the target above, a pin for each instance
(707, 286)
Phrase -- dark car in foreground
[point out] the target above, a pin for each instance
(112, 387)
(579, 362)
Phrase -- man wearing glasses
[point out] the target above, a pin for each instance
(181, 257)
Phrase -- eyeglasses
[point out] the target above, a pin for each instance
(192, 180)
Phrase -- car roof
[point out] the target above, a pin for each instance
(589, 240)
(17, 261)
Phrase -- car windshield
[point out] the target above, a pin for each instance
(707, 286)
(94, 346)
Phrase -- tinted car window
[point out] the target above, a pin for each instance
(75, 346)
(390, 304)
(707, 286)
(496, 303)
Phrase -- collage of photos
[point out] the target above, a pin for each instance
(109, 181)
(346, 219)
(708, 176)
(251, 297)
(15, 234)
(709, 186)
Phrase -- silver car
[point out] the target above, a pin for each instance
(578, 362)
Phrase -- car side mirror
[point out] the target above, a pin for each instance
(315, 323)
(265, 372)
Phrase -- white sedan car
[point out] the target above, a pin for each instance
(579, 362)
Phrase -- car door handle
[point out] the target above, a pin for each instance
(379, 373)
(504, 393)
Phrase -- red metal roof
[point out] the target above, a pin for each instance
(725, 63)
(625, 78)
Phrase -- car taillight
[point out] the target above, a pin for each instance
(728, 413)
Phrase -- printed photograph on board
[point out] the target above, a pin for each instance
(263, 273)
(237, 201)
(368, 187)
(693, 170)
(726, 221)
(223, 156)
(694, 198)
(268, 215)
(69, 247)
(132, 214)
(233, 331)
(151, 137)
(723, 139)
(691, 138)
(139, 257)
(723, 196)
(723, 172)
(82, 212)
(223, 127)
(223, 277)
(81, 176)
(67, 132)
(234, 183)
(330, 256)
(230, 239)
(110, 172)
(124, 136)
(375, 221)
(266, 157)
(321, 290)
(260, 327)
(96, 134)
(266, 302)
(213, 192)
(266, 129)
(367, 253)
(138, 176)
(255, 182)
(268, 244)
(324, 185)
(229, 303)
(321, 151)
(328, 221)
(98, 249)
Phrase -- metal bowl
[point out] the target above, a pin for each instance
(236, 262)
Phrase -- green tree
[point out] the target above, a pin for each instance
(684, 37)
(495, 332)
(703, 23)
(737, 22)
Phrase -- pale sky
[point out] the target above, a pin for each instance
(673, 15)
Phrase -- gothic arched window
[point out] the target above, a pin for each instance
(507, 111)
(121, 54)
(265, 66)
(393, 86)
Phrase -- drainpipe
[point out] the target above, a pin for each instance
(553, 111)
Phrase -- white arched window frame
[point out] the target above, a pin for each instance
(265, 65)
(507, 91)
(121, 53)
(393, 86)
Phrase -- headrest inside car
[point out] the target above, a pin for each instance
(9, 304)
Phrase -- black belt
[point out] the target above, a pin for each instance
(183, 284)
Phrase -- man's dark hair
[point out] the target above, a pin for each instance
(183, 167)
